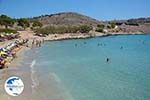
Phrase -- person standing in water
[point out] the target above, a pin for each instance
(75, 45)
(33, 42)
(43, 40)
(40, 43)
(107, 60)
(37, 42)
(121, 47)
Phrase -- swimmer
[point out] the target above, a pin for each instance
(76, 45)
(143, 42)
(107, 60)
(121, 47)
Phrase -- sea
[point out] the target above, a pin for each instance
(100, 68)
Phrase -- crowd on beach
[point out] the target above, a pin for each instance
(8, 53)
(36, 42)
(8, 36)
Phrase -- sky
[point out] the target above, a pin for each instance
(98, 9)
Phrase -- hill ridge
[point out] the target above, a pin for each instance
(66, 18)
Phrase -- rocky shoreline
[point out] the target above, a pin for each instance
(66, 36)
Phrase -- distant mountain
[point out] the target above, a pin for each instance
(66, 18)
(134, 21)
(139, 20)
(134, 25)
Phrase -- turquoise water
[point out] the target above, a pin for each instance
(80, 69)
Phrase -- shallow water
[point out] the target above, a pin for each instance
(78, 70)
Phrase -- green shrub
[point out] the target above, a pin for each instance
(99, 30)
(7, 31)
(24, 22)
(37, 24)
(6, 21)
(100, 26)
(84, 28)
(108, 26)
(64, 29)
(112, 24)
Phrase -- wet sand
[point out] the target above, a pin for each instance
(14, 68)
(23, 67)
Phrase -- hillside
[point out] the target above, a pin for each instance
(133, 25)
(66, 18)
(71, 22)
(134, 21)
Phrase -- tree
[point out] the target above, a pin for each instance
(99, 30)
(37, 24)
(112, 24)
(109, 26)
(100, 26)
(23, 22)
(63, 29)
(84, 28)
(7, 21)
(8, 30)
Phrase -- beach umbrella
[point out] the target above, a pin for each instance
(2, 35)
(3, 49)
(9, 47)
(3, 53)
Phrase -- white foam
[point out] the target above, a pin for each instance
(33, 76)
(56, 78)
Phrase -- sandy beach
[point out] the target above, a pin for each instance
(13, 69)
